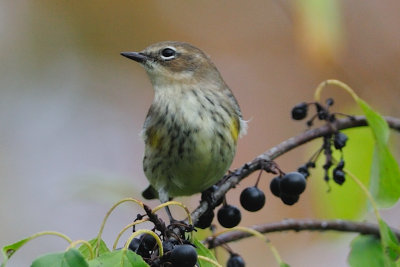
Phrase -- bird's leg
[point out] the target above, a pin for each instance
(163, 196)
(171, 219)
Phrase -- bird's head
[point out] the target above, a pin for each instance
(175, 62)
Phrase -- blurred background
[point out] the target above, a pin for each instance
(71, 108)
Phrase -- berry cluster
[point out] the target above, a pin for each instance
(288, 187)
(300, 111)
(228, 216)
(177, 248)
(252, 199)
(337, 140)
(206, 218)
(176, 253)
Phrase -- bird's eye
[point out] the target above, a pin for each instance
(168, 53)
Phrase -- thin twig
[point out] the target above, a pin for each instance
(301, 225)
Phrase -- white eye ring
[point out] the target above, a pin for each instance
(168, 53)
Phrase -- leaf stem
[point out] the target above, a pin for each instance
(213, 262)
(126, 228)
(51, 233)
(322, 85)
(366, 192)
(108, 215)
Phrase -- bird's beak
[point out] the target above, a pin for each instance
(137, 56)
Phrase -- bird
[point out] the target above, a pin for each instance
(193, 124)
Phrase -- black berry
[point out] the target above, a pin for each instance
(289, 199)
(168, 246)
(338, 176)
(252, 199)
(142, 245)
(235, 261)
(304, 171)
(274, 186)
(134, 245)
(148, 242)
(205, 220)
(340, 140)
(299, 111)
(293, 183)
(183, 256)
(229, 216)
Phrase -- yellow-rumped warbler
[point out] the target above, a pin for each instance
(192, 126)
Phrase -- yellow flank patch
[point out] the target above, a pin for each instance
(153, 137)
(234, 128)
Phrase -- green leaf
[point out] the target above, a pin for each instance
(85, 250)
(366, 250)
(69, 258)
(378, 125)
(203, 251)
(385, 172)
(118, 258)
(9, 250)
(385, 177)
(390, 243)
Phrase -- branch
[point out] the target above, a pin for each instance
(264, 160)
(301, 225)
